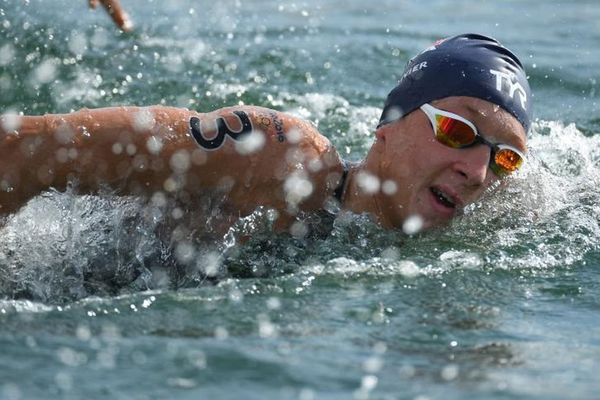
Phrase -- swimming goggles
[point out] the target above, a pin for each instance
(454, 131)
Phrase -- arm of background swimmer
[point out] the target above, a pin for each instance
(128, 149)
(116, 12)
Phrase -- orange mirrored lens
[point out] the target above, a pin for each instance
(507, 160)
(452, 132)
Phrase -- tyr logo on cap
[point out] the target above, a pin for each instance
(509, 81)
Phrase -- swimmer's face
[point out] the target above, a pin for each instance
(434, 181)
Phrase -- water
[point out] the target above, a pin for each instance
(98, 301)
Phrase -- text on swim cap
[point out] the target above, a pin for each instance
(509, 81)
(415, 68)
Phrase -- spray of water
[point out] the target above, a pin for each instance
(63, 247)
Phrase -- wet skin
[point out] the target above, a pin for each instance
(434, 182)
(145, 151)
(293, 168)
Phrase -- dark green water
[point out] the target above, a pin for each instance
(503, 304)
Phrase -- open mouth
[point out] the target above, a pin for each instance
(443, 198)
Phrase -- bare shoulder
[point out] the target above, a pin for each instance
(268, 157)
(250, 132)
(213, 130)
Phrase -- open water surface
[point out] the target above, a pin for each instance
(106, 298)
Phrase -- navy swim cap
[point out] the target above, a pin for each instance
(464, 65)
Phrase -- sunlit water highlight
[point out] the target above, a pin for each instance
(107, 297)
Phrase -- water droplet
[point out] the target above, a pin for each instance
(77, 43)
(10, 121)
(83, 333)
(64, 134)
(373, 365)
(250, 143)
(367, 182)
(180, 161)
(154, 145)
(131, 149)
(117, 148)
(266, 329)
(412, 225)
(389, 187)
(273, 303)
(46, 71)
(221, 333)
(143, 120)
(369, 382)
(449, 372)
(297, 187)
(408, 269)
(7, 54)
(185, 252)
(210, 263)
(299, 229)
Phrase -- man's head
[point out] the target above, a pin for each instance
(464, 65)
(456, 122)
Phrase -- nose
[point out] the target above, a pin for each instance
(473, 164)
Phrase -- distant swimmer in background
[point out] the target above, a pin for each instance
(116, 12)
(455, 124)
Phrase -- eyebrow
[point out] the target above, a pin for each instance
(521, 144)
(475, 110)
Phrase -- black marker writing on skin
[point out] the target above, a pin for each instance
(271, 118)
(278, 127)
(223, 131)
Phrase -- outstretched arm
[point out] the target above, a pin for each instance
(257, 156)
(119, 147)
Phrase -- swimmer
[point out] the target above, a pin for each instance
(456, 122)
(116, 12)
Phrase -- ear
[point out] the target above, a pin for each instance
(380, 142)
(381, 133)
